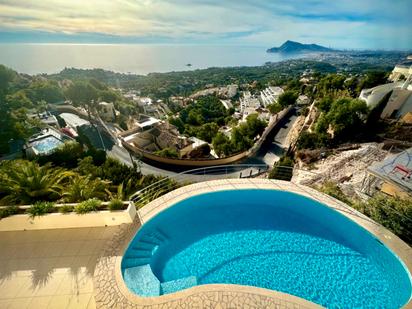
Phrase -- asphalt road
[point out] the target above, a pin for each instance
(272, 151)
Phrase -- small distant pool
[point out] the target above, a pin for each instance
(265, 238)
(47, 144)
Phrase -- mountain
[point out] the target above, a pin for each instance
(290, 47)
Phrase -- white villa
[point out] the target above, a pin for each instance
(248, 101)
(46, 118)
(399, 105)
(403, 69)
(270, 95)
(227, 104)
(107, 111)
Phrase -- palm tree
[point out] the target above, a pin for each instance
(27, 182)
(82, 188)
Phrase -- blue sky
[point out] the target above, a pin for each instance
(362, 24)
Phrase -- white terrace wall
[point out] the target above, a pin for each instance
(70, 220)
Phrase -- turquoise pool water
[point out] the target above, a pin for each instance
(47, 144)
(265, 238)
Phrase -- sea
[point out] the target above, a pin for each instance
(137, 58)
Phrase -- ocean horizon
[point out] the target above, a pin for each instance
(139, 59)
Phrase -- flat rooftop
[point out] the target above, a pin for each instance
(391, 168)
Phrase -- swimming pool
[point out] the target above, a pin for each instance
(265, 238)
(46, 145)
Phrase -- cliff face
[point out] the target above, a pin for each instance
(296, 47)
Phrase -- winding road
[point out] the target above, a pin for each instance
(269, 153)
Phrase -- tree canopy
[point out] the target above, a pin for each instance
(287, 98)
(242, 137)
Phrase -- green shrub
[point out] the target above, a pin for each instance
(8, 211)
(394, 213)
(332, 189)
(87, 206)
(309, 140)
(282, 169)
(66, 209)
(40, 208)
(167, 153)
(116, 204)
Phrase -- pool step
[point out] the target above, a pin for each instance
(149, 241)
(177, 285)
(143, 246)
(155, 237)
(142, 281)
(135, 261)
(139, 253)
(161, 235)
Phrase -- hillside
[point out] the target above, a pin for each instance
(290, 47)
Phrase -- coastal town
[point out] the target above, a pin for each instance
(83, 151)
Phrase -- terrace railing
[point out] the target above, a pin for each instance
(157, 189)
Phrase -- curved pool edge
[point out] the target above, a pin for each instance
(111, 291)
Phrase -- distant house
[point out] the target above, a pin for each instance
(232, 90)
(393, 175)
(399, 103)
(196, 148)
(161, 135)
(270, 95)
(402, 70)
(146, 122)
(46, 118)
(303, 100)
(45, 142)
(144, 101)
(73, 121)
(227, 104)
(248, 101)
(373, 96)
(107, 111)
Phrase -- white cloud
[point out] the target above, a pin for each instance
(336, 23)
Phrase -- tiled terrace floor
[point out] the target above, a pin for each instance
(50, 268)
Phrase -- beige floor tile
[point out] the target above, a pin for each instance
(23, 267)
(64, 264)
(52, 235)
(47, 264)
(40, 302)
(4, 303)
(20, 303)
(50, 287)
(92, 303)
(88, 247)
(10, 288)
(92, 264)
(65, 235)
(80, 263)
(59, 302)
(42, 235)
(8, 252)
(72, 248)
(109, 232)
(27, 251)
(79, 234)
(100, 243)
(79, 301)
(67, 287)
(85, 286)
(26, 290)
(95, 233)
(55, 248)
